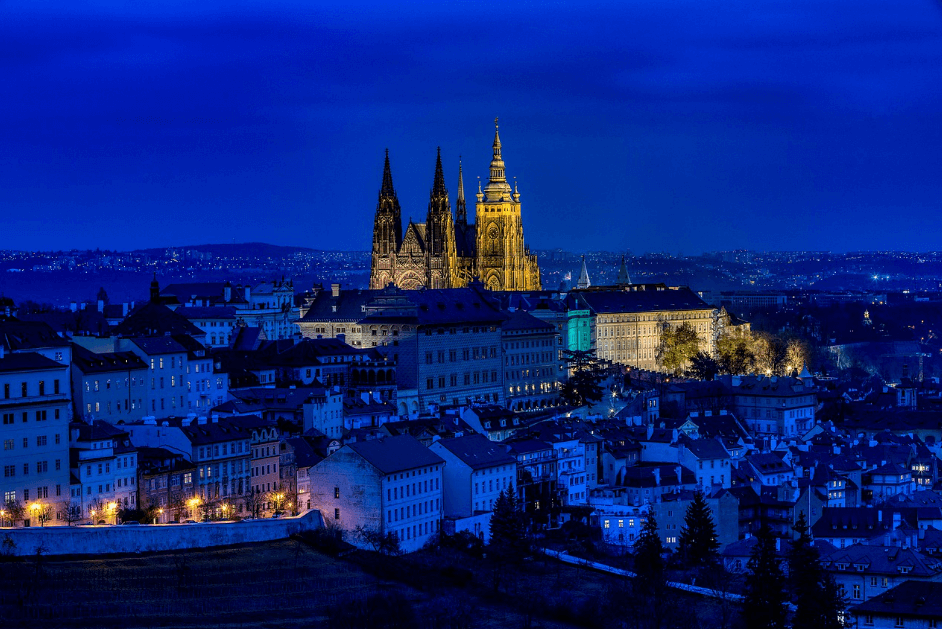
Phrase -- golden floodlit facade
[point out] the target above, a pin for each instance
(446, 251)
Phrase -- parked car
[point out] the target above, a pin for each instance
(131, 523)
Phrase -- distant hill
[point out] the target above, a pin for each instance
(245, 249)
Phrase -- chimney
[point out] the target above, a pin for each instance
(737, 380)
(342, 337)
(247, 292)
(3, 351)
(680, 476)
(124, 309)
(650, 430)
(200, 420)
(73, 306)
(778, 544)
(215, 418)
(657, 476)
(879, 515)
(897, 518)
(335, 290)
(227, 293)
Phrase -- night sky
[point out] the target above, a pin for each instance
(650, 125)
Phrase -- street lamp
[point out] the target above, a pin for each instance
(113, 511)
(3, 515)
(92, 515)
(160, 512)
(225, 512)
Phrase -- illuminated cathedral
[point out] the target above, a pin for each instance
(447, 251)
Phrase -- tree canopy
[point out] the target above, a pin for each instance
(818, 603)
(508, 529)
(764, 604)
(584, 385)
(677, 347)
(698, 543)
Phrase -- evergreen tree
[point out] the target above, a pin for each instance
(814, 592)
(764, 604)
(648, 555)
(508, 530)
(584, 385)
(698, 543)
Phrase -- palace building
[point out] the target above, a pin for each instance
(446, 251)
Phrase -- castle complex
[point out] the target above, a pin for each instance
(446, 251)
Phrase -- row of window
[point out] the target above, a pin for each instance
(406, 491)
(468, 353)
(41, 440)
(9, 471)
(411, 511)
(41, 493)
(476, 377)
(24, 389)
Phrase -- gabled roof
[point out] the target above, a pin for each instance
(520, 320)
(391, 455)
(16, 335)
(477, 451)
(156, 320)
(159, 345)
(883, 560)
(89, 362)
(27, 361)
(618, 301)
(909, 599)
(704, 448)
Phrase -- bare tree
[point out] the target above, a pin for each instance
(255, 503)
(70, 512)
(14, 511)
(386, 543)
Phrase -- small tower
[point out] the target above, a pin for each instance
(154, 290)
(583, 282)
(623, 273)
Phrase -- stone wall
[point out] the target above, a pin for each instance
(103, 540)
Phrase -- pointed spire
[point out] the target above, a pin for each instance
(497, 162)
(583, 282)
(461, 207)
(387, 189)
(623, 273)
(438, 188)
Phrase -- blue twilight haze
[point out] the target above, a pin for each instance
(652, 125)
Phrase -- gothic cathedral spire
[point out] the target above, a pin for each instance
(461, 207)
(387, 231)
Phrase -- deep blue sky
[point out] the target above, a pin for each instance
(680, 125)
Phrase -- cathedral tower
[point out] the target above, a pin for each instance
(387, 232)
(503, 261)
(440, 232)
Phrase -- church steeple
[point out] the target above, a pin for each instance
(623, 277)
(438, 223)
(498, 173)
(461, 207)
(438, 187)
(583, 282)
(387, 190)
(387, 230)
(154, 290)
